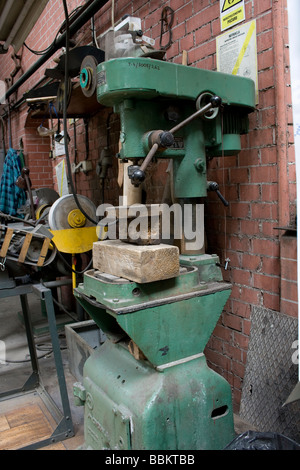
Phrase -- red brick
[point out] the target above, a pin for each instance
(289, 290)
(289, 308)
(262, 6)
(202, 51)
(268, 117)
(215, 344)
(248, 294)
(238, 175)
(261, 174)
(264, 41)
(232, 352)
(241, 309)
(203, 34)
(233, 322)
(238, 368)
(222, 333)
(266, 79)
(266, 98)
(240, 340)
(271, 301)
(288, 247)
(265, 282)
(270, 266)
(187, 42)
(250, 192)
(261, 137)
(262, 211)
(216, 358)
(247, 327)
(265, 59)
(240, 244)
(265, 247)
(184, 13)
(269, 192)
(289, 269)
(248, 158)
(250, 261)
(250, 227)
(264, 23)
(239, 209)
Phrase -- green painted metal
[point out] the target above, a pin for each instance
(143, 91)
(130, 405)
(138, 117)
(208, 266)
(170, 400)
(126, 296)
(123, 78)
(177, 328)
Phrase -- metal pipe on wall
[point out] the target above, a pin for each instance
(281, 112)
(87, 14)
(294, 46)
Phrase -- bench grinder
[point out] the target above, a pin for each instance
(148, 386)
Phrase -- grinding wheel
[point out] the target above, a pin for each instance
(65, 214)
(88, 75)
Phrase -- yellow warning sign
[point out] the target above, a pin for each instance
(232, 12)
(229, 4)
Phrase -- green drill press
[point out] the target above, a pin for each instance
(148, 386)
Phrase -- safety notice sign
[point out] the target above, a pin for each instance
(232, 12)
(237, 52)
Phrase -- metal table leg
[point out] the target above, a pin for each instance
(64, 428)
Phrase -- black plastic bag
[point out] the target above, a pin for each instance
(252, 440)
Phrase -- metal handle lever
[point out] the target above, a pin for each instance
(213, 186)
(165, 139)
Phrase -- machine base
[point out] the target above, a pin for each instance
(131, 405)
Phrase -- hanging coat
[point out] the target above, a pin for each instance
(11, 197)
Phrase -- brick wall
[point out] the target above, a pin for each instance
(259, 182)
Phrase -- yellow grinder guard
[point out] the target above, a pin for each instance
(75, 240)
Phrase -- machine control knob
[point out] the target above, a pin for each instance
(136, 175)
(166, 139)
(216, 101)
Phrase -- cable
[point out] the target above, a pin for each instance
(60, 31)
(65, 116)
(39, 347)
(44, 51)
(3, 134)
(168, 24)
(18, 219)
(68, 265)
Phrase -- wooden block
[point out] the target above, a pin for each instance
(4, 425)
(136, 351)
(137, 263)
(25, 246)
(7, 239)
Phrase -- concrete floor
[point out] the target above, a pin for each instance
(17, 369)
(14, 372)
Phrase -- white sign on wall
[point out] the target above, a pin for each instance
(61, 177)
(237, 52)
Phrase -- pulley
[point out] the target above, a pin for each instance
(65, 214)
